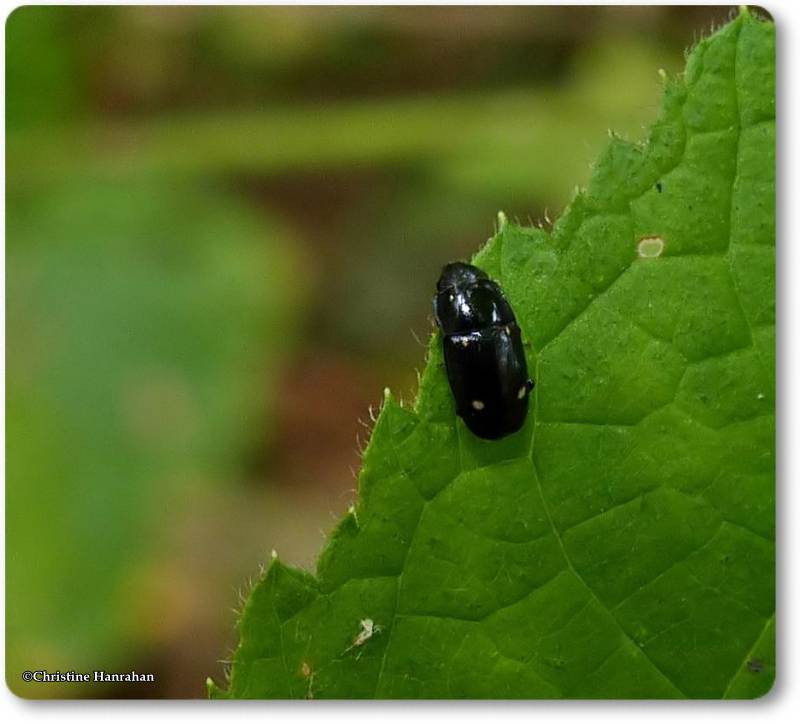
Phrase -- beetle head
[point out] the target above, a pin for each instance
(459, 274)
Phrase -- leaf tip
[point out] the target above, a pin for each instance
(269, 572)
(213, 691)
(502, 221)
(351, 511)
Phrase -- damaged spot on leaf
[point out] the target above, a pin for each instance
(650, 247)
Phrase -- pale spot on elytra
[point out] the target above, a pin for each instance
(522, 392)
(477, 405)
(649, 247)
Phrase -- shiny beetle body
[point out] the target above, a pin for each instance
(483, 352)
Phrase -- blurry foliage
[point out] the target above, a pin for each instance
(41, 77)
(139, 351)
(223, 224)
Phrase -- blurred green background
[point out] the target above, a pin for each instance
(223, 229)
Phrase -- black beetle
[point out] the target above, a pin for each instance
(483, 351)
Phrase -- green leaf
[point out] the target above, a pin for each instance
(621, 544)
